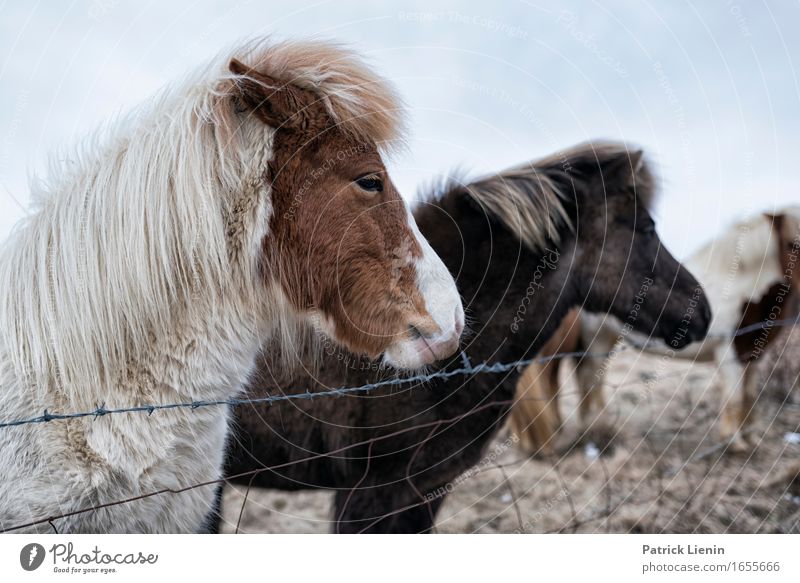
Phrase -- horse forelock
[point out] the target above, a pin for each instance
(361, 103)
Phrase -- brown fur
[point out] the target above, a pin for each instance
(334, 247)
(749, 346)
(778, 303)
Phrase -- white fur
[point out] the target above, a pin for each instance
(737, 267)
(443, 305)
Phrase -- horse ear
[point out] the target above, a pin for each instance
(276, 104)
(637, 161)
(625, 167)
(775, 220)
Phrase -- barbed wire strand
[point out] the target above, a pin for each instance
(465, 370)
(482, 368)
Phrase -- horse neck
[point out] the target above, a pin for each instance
(514, 297)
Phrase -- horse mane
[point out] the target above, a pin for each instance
(160, 215)
(531, 199)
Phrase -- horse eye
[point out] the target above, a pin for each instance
(370, 184)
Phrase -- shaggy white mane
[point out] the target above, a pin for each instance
(157, 221)
(138, 280)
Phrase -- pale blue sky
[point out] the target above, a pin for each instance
(709, 89)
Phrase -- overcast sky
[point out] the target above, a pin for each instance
(709, 89)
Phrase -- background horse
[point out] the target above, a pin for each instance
(748, 273)
(235, 208)
(524, 246)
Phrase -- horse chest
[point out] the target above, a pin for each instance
(183, 448)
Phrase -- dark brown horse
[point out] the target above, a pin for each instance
(526, 246)
(762, 253)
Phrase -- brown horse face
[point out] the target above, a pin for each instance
(631, 274)
(342, 244)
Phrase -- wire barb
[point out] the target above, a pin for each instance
(466, 369)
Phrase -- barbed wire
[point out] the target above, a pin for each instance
(465, 370)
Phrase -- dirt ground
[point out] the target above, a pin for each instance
(664, 470)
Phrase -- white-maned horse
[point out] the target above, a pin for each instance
(227, 210)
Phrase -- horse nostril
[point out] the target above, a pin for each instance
(414, 332)
(424, 328)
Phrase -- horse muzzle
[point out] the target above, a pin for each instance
(693, 328)
(424, 342)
